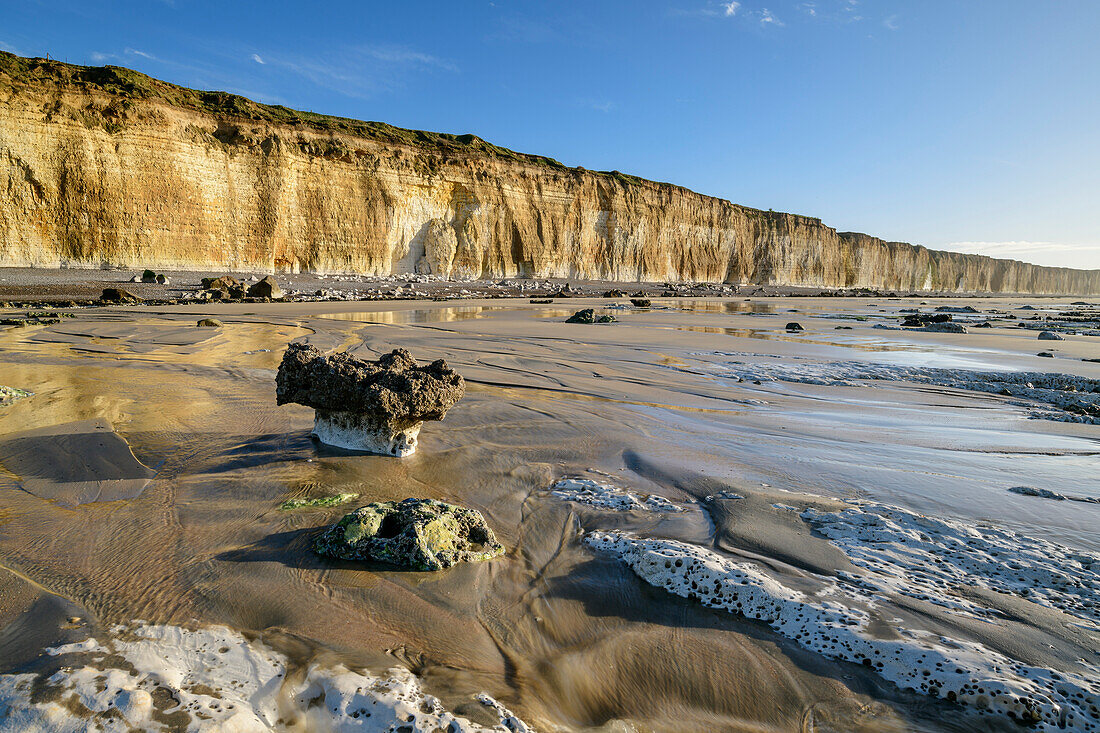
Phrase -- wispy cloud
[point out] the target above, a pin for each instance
(256, 57)
(1055, 254)
(768, 18)
(891, 22)
(360, 71)
(141, 54)
(8, 47)
(600, 106)
(732, 9)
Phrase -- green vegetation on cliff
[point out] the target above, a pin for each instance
(129, 84)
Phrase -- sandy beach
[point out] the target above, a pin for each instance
(852, 478)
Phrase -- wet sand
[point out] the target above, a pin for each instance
(142, 480)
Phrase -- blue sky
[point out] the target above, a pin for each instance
(967, 124)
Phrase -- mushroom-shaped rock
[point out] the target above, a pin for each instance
(420, 534)
(373, 406)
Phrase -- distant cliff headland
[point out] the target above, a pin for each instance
(106, 166)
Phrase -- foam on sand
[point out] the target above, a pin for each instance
(606, 496)
(1063, 397)
(919, 557)
(166, 677)
(927, 557)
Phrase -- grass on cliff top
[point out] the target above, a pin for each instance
(129, 84)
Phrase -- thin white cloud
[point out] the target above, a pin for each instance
(891, 22)
(256, 57)
(731, 8)
(809, 8)
(360, 71)
(142, 54)
(8, 47)
(767, 18)
(1053, 254)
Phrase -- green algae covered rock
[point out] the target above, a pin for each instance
(11, 394)
(319, 502)
(419, 534)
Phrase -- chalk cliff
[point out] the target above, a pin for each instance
(104, 165)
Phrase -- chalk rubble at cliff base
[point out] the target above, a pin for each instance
(373, 406)
(903, 553)
(160, 678)
(1064, 397)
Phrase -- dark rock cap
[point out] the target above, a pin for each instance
(394, 387)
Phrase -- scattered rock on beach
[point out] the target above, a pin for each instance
(224, 283)
(794, 326)
(640, 302)
(957, 309)
(209, 323)
(9, 395)
(588, 315)
(266, 288)
(945, 327)
(419, 534)
(920, 320)
(118, 295)
(1051, 336)
(374, 406)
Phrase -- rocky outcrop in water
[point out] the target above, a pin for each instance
(420, 534)
(106, 166)
(374, 406)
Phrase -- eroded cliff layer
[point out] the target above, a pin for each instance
(108, 166)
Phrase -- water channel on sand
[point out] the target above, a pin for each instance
(142, 479)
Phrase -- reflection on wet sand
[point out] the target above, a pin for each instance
(568, 638)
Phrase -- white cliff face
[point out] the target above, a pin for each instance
(88, 178)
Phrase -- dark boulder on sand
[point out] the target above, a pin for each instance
(266, 288)
(419, 534)
(794, 326)
(224, 283)
(588, 315)
(1051, 336)
(118, 295)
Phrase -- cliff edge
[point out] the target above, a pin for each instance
(107, 166)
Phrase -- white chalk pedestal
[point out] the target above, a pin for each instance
(353, 431)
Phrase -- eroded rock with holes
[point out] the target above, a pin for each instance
(419, 534)
(373, 406)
